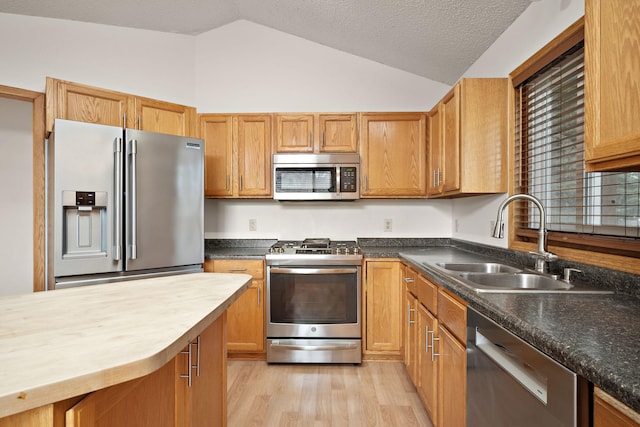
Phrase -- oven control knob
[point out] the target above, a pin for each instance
(313, 329)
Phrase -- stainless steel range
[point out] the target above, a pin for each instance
(314, 302)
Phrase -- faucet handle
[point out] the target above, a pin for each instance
(567, 274)
(547, 256)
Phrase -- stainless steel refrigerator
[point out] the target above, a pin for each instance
(122, 203)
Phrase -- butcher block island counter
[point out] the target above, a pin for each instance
(118, 354)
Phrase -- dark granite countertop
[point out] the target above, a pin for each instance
(596, 336)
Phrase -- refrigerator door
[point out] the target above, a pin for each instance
(164, 201)
(84, 163)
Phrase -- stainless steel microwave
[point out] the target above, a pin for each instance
(316, 176)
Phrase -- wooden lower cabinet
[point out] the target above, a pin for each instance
(435, 350)
(383, 301)
(246, 317)
(164, 397)
(411, 336)
(609, 412)
(427, 378)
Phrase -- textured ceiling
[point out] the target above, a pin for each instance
(436, 39)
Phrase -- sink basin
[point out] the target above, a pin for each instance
(479, 267)
(521, 281)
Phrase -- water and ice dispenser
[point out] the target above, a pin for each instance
(84, 224)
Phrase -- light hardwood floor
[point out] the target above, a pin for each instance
(372, 394)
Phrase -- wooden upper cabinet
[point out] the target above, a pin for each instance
(612, 91)
(338, 133)
(73, 101)
(393, 155)
(254, 155)
(317, 132)
(468, 140)
(217, 132)
(162, 117)
(237, 155)
(294, 133)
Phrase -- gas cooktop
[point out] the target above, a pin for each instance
(313, 251)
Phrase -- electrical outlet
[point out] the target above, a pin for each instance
(455, 225)
(492, 225)
(252, 224)
(388, 225)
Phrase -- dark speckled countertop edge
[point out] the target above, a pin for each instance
(624, 386)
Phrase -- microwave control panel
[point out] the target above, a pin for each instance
(348, 179)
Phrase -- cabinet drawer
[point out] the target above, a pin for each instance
(409, 277)
(427, 294)
(252, 267)
(452, 313)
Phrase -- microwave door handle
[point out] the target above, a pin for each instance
(313, 270)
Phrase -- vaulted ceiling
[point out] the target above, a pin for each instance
(436, 39)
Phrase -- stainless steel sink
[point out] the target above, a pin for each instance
(520, 281)
(479, 267)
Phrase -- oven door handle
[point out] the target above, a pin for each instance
(313, 270)
(346, 346)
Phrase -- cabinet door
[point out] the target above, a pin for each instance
(294, 133)
(246, 321)
(72, 101)
(246, 316)
(143, 402)
(254, 155)
(209, 391)
(410, 336)
(612, 93)
(427, 361)
(217, 132)
(338, 133)
(383, 334)
(452, 380)
(392, 154)
(162, 117)
(609, 412)
(434, 151)
(450, 177)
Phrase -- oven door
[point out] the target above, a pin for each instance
(313, 302)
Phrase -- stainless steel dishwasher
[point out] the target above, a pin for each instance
(510, 383)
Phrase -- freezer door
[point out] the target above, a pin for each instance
(164, 202)
(84, 161)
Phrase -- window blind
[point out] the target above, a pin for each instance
(549, 161)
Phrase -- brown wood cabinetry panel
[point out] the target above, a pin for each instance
(217, 132)
(452, 313)
(392, 154)
(338, 133)
(383, 311)
(163, 117)
(609, 412)
(427, 294)
(294, 133)
(254, 155)
(427, 363)
(89, 104)
(612, 93)
(452, 380)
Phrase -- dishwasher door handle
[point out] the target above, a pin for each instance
(513, 365)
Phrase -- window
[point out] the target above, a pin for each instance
(594, 211)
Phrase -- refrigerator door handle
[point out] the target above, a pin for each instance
(117, 199)
(133, 199)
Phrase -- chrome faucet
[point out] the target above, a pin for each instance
(542, 256)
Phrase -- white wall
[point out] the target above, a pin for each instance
(146, 63)
(16, 192)
(245, 67)
(336, 220)
(540, 23)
